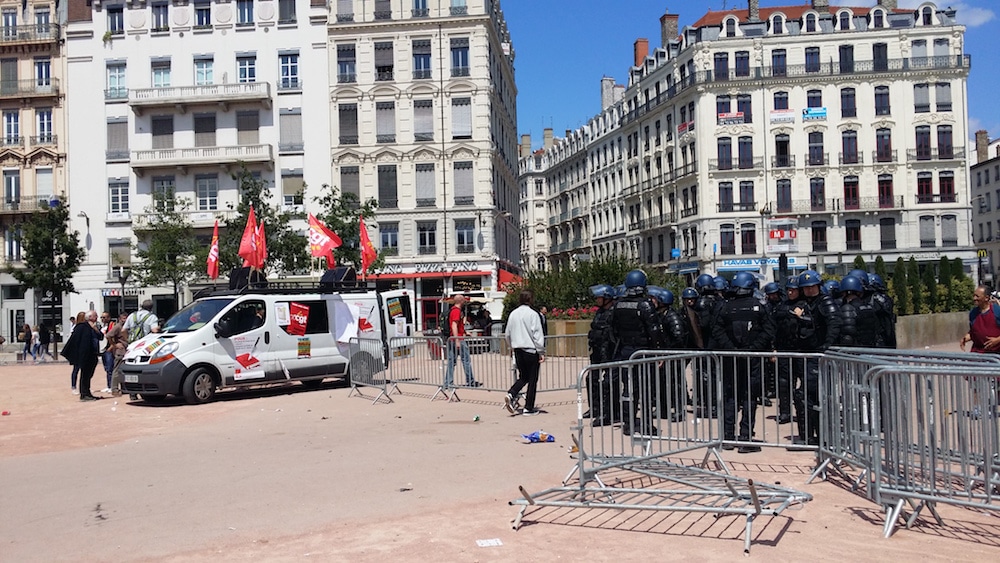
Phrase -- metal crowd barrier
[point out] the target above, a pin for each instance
(367, 367)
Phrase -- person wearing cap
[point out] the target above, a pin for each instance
(819, 323)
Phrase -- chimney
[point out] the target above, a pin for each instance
(821, 5)
(888, 4)
(568, 132)
(641, 49)
(668, 29)
(754, 10)
(525, 146)
(607, 92)
(982, 146)
(547, 138)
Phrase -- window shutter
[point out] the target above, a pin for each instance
(290, 130)
(461, 117)
(204, 130)
(383, 54)
(350, 180)
(43, 183)
(118, 136)
(247, 127)
(346, 53)
(463, 183)
(425, 184)
(921, 96)
(345, 7)
(348, 123)
(949, 229)
(385, 119)
(942, 91)
(422, 47)
(387, 186)
(163, 132)
(927, 229)
(423, 120)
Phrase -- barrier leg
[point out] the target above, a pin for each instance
(891, 516)
(747, 535)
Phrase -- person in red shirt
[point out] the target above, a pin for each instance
(984, 332)
(458, 346)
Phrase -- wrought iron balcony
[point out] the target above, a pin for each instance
(783, 161)
(884, 156)
(25, 34)
(424, 250)
(937, 153)
(29, 88)
(851, 158)
(730, 206)
(198, 219)
(817, 159)
(936, 198)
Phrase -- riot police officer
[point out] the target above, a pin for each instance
(859, 322)
(885, 310)
(634, 320)
(772, 298)
(742, 324)
(786, 340)
(601, 342)
(673, 395)
(706, 307)
(818, 329)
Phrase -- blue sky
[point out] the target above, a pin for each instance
(564, 47)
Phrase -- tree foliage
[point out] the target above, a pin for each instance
(342, 213)
(913, 280)
(930, 289)
(168, 252)
(859, 263)
(880, 269)
(51, 252)
(287, 249)
(900, 288)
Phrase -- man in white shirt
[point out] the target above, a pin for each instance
(524, 332)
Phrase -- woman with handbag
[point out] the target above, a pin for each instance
(26, 338)
(71, 348)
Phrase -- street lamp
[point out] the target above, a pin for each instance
(765, 214)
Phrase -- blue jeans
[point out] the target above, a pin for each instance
(108, 357)
(455, 347)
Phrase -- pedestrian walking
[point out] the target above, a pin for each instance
(524, 332)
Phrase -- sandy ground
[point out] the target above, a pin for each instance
(290, 474)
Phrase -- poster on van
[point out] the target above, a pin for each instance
(248, 365)
(298, 319)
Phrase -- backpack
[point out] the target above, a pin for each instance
(138, 327)
(444, 323)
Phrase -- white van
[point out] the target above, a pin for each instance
(254, 337)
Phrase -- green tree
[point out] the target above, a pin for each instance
(945, 280)
(880, 269)
(913, 278)
(900, 288)
(960, 296)
(287, 250)
(51, 253)
(859, 263)
(930, 287)
(342, 213)
(168, 252)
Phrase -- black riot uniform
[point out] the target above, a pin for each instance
(603, 390)
(885, 311)
(742, 324)
(859, 323)
(707, 307)
(818, 329)
(789, 370)
(635, 322)
(672, 397)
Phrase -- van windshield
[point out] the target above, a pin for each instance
(196, 315)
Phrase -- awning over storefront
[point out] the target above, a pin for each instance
(505, 277)
(410, 276)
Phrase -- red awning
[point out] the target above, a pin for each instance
(505, 277)
(427, 275)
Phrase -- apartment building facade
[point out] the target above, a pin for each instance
(424, 120)
(176, 97)
(33, 144)
(815, 132)
(984, 180)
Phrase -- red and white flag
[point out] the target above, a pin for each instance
(322, 241)
(248, 242)
(261, 244)
(368, 252)
(213, 254)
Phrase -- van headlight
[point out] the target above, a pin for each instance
(164, 353)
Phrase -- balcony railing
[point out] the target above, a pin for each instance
(425, 250)
(851, 158)
(382, 15)
(884, 156)
(208, 93)
(117, 93)
(426, 202)
(820, 246)
(422, 74)
(29, 87)
(817, 159)
(735, 164)
(36, 33)
(385, 138)
(383, 75)
(723, 249)
(343, 18)
(160, 158)
(24, 204)
(11, 141)
(44, 140)
(419, 12)
(689, 211)
(783, 161)
(730, 206)
(348, 139)
(459, 71)
(459, 10)
(854, 245)
(347, 77)
(464, 201)
(465, 248)
(198, 219)
(937, 153)
(429, 136)
(289, 84)
(936, 198)
(888, 244)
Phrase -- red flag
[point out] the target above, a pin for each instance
(248, 242)
(322, 240)
(368, 253)
(261, 243)
(213, 254)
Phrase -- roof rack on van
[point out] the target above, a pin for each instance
(290, 287)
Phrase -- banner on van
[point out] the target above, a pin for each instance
(298, 319)
(248, 365)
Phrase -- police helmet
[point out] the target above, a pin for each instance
(720, 283)
(861, 275)
(809, 278)
(666, 297)
(851, 284)
(635, 278)
(703, 281)
(792, 282)
(832, 288)
(620, 291)
(744, 280)
(689, 293)
(771, 288)
(654, 291)
(602, 290)
(876, 282)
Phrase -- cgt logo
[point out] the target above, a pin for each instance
(300, 318)
(317, 238)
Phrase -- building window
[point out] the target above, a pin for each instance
(246, 68)
(290, 131)
(885, 197)
(819, 236)
(204, 130)
(810, 23)
(921, 98)
(923, 142)
(348, 118)
(781, 100)
(289, 68)
(887, 232)
(118, 196)
(727, 239)
(745, 145)
(814, 98)
(779, 62)
(852, 199)
(748, 239)
(464, 189)
(812, 59)
(202, 14)
(850, 147)
(43, 74)
(946, 149)
(747, 200)
(426, 188)
(845, 21)
(777, 25)
(383, 61)
(161, 17)
(389, 238)
(461, 118)
(164, 189)
(817, 194)
(346, 59)
(244, 12)
(882, 106)
(742, 63)
(883, 146)
(117, 149)
(782, 157)
(207, 187)
(730, 27)
(419, 9)
(204, 72)
(744, 105)
(848, 103)
(878, 19)
(12, 188)
(784, 195)
(117, 88)
(286, 11)
(163, 131)
(925, 187)
(816, 155)
(723, 104)
(350, 180)
(465, 236)
(949, 230)
(383, 10)
(345, 10)
(460, 56)
(423, 120)
(928, 237)
(880, 56)
(116, 20)
(725, 196)
(942, 95)
(119, 257)
(247, 127)
(43, 127)
(422, 59)
(385, 122)
(161, 74)
(946, 187)
(292, 188)
(722, 66)
(852, 231)
(725, 151)
(387, 187)
(427, 237)
(846, 59)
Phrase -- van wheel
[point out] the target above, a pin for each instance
(199, 387)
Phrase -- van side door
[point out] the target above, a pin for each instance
(245, 341)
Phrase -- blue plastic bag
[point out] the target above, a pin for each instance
(538, 436)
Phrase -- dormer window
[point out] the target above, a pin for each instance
(811, 23)
(878, 19)
(731, 27)
(845, 21)
(777, 25)
(927, 15)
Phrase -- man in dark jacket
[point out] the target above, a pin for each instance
(885, 311)
(603, 391)
(634, 320)
(743, 324)
(818, 329)
(859, 323)
(672, 396)
(790, 371)
(706, 307)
